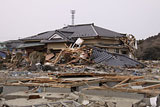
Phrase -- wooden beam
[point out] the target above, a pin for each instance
(124, 81)
(58, 57)
(131, 84)
(94, 81)
(38, 84)
(152, 86)
(124, 77)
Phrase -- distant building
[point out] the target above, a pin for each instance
(3, 46)
(12, 45)
(91, 34)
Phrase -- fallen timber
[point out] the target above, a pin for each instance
(76, 80)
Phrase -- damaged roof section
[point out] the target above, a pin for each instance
(114, 59)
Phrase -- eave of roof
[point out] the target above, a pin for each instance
(40, 36)
(106, 33)
(30, 45)
(56, 41)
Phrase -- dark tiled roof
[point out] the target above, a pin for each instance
(84, 30)
(64, 34)
(41, 36)
(76, 31)
(106, 32)
(90, 30)
(113, 59)
(49, 34)
(12, 43)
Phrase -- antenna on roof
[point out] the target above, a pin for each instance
(73, 13)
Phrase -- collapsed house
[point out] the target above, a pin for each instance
(72, 57)
(75, 45)
(93, 35)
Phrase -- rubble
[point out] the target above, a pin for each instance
(16, 60)
(130, 42)
(36, 58)
(75, 81)
(72, 57)
(90, 55)
(83, 76)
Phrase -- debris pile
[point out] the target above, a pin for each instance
(90, 55)
(83, 76)
(74, 57)
(36, 58)
(77, 56)
(130, 42)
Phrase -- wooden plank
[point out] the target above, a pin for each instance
(82, 74)
(60, 83)
(58, 57)
(136, 77)
(105, 85)
(38, 84)
(124, 77)
(94, 82)
(49, 105)
(131, 84)
(152, 86)
(49, 56)
(152, 81)
(124, 81)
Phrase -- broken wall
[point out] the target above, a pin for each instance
(56, 46)
(101, 41)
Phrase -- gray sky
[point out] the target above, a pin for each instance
(22, 18)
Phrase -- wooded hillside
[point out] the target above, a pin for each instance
(149, 49)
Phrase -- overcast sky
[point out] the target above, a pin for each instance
(22, 18)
